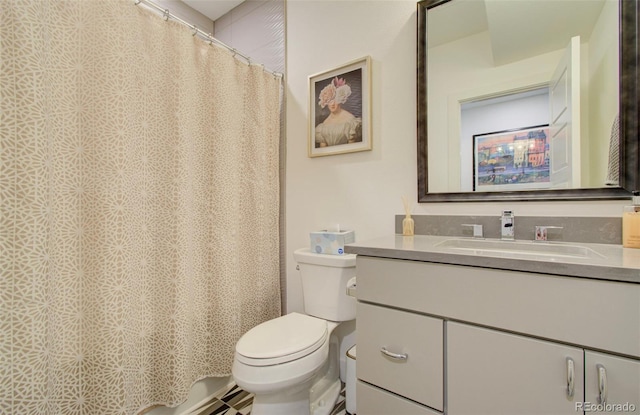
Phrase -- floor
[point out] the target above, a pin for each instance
(233, 400)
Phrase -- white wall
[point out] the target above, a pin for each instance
(363, 190)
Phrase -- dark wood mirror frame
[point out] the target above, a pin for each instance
(629, 123)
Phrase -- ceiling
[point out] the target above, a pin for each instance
(517, 29)
(213, 9)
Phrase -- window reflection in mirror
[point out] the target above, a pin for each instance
(487, 51)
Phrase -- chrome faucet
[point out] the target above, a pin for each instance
(507, 226)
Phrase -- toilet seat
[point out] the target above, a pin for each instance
(281, 340)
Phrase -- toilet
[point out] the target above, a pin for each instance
(291, 363)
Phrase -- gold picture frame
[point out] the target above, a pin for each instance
(340, 109)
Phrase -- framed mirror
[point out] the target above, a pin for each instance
(508, 112)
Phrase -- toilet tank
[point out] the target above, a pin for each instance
(324, 284)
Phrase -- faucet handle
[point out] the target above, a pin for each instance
(542, 232)
(477, 229)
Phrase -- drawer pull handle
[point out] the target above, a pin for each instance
(602, 384)
(392, 355)
(570, 377)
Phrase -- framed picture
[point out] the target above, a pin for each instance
(340, 109)
(511, 160)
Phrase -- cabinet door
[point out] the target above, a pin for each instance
(613, 378)
(492, 372)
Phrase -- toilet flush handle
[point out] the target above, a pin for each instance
(351, 287)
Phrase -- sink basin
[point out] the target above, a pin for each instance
(518, 249)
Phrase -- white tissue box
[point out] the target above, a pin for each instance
(332, 243)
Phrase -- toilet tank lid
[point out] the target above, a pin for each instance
(283, 336)
(305, 256)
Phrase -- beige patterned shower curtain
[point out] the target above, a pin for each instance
(139, 207)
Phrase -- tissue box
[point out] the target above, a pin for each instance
(332, 243)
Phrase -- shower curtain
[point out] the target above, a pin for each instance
(139, 203)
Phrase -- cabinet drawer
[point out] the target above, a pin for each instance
(420, 338)
(374, 401)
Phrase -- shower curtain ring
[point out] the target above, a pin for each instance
(136, 2)
(210, 39)
(166, 15)
(235, 52)
(195, 30)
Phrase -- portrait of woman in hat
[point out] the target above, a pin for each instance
(340, 126)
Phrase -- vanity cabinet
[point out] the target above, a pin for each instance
(490, 341)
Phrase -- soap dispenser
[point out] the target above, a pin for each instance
(631, 223)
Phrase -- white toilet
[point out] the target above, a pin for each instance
(291, 363)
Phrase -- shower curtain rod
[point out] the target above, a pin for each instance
(206, 36)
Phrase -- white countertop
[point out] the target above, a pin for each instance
(615, 263)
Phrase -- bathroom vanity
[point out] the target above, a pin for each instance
(456, 327)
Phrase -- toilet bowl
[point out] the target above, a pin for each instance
(281, 374)
(291, 363)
